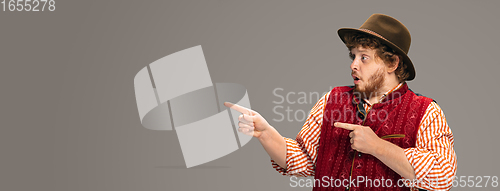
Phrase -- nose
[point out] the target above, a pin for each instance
(354, 65)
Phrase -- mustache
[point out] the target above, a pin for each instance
(354, 73)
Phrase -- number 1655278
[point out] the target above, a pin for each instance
(28, 5)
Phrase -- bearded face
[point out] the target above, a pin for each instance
(370, 87)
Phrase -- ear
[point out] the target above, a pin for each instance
(395, 64)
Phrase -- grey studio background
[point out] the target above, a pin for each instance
(69, 118)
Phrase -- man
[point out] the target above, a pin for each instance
(371, 136)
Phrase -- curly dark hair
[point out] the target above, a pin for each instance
(387, 54)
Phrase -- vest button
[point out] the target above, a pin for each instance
(359, 154)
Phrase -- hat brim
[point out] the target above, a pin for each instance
(406, 60)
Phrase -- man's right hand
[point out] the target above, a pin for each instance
(250, 122)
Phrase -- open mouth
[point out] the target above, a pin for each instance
(356, 79)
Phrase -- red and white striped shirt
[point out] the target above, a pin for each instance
(433, 158)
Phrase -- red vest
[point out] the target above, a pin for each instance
(395, 119)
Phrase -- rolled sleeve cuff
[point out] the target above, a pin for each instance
(289, 150)
(422, 162)
(292, 149)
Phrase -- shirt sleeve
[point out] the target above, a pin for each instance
(301, 153)
(433, 159)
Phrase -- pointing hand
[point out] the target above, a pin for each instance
(250, 122)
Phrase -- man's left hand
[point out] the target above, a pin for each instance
(363, 139)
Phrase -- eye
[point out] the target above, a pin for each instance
(364, 57)
(351, 56)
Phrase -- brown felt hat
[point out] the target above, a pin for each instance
(390, 32)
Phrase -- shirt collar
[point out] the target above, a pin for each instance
(385, 94)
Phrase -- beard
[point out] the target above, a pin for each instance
(371, 86)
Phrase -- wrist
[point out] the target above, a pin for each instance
(264, 134)
(379, 149)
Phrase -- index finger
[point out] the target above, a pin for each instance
(347, 126)
(238, 108)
